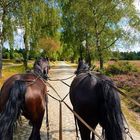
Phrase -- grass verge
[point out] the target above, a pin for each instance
(9, 71)
(131, 117)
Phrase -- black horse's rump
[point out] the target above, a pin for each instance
(97, 102)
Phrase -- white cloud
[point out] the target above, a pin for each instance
(137, 4)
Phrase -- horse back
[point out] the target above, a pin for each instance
(84, 93)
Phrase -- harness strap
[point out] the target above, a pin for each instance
(128, 133)
(62, 78)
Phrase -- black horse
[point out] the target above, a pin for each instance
(26, 94)
(97, 102)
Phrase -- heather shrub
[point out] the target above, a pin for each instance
(121, 68)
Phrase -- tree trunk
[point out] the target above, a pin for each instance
(26, 53)
(2, 31)
(0, 61)
(11, 52)
(81, 52)
(101, 61)
(88, 57)
(1, 44)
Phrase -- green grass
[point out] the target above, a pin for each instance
(131, 117)
(14, 69)
(9, 71)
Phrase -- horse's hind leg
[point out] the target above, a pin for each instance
(84, 131)
(35, 135)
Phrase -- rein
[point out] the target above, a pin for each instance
(62, 80)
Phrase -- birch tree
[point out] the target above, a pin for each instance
(8, 8)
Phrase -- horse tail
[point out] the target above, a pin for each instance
(12, 109)
(112, 117)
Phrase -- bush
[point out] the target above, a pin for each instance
(18, 57)
(121, 68)
(6, 55)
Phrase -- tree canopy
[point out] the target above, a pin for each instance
(37, 18)
(97, 22)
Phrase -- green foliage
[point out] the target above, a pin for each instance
(97, 22)
(120, 68)
(37, 18)
(14, 70)
(129, 55)
(125, 55)
(18, 57)
(6, 55)
(33, 54)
